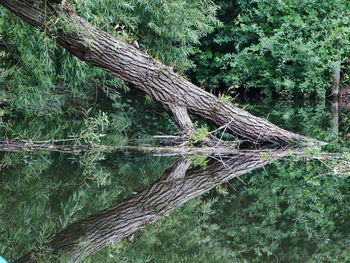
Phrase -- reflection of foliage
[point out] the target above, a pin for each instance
(344, 138)
(265, 156)
(287, 215)
(336, 164)
(41, 194)
(198, 160)
(284, 213)
(185, 236)
(91, 168)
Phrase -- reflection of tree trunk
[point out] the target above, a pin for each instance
(177, 94)
(335, 118)
(178, 185)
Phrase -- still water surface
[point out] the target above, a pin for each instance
(247, 206)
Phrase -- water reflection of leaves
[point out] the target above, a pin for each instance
(260, 209)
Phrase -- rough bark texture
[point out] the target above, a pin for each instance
(336, 78)
(137, 68)
(178, 185)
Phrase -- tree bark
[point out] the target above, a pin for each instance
(177, 94)
(178, 185)
(336, 78)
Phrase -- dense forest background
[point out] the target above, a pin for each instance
(282, 54)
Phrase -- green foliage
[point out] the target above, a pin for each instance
(198, 135)
(39, 72)
(225, 97)
(39, 80)
(289, 48)
(167, 29)
(95, 128)
(315, 118)
(148, 99)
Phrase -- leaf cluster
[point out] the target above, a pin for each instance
(287, 49)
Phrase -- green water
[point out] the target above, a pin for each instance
(273, 206)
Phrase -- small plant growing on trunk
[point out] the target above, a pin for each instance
(200, 135)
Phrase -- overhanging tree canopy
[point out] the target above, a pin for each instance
(175, 93)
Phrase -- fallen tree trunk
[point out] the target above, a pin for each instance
(177, 95)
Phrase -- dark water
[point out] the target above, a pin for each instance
(267, 206)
